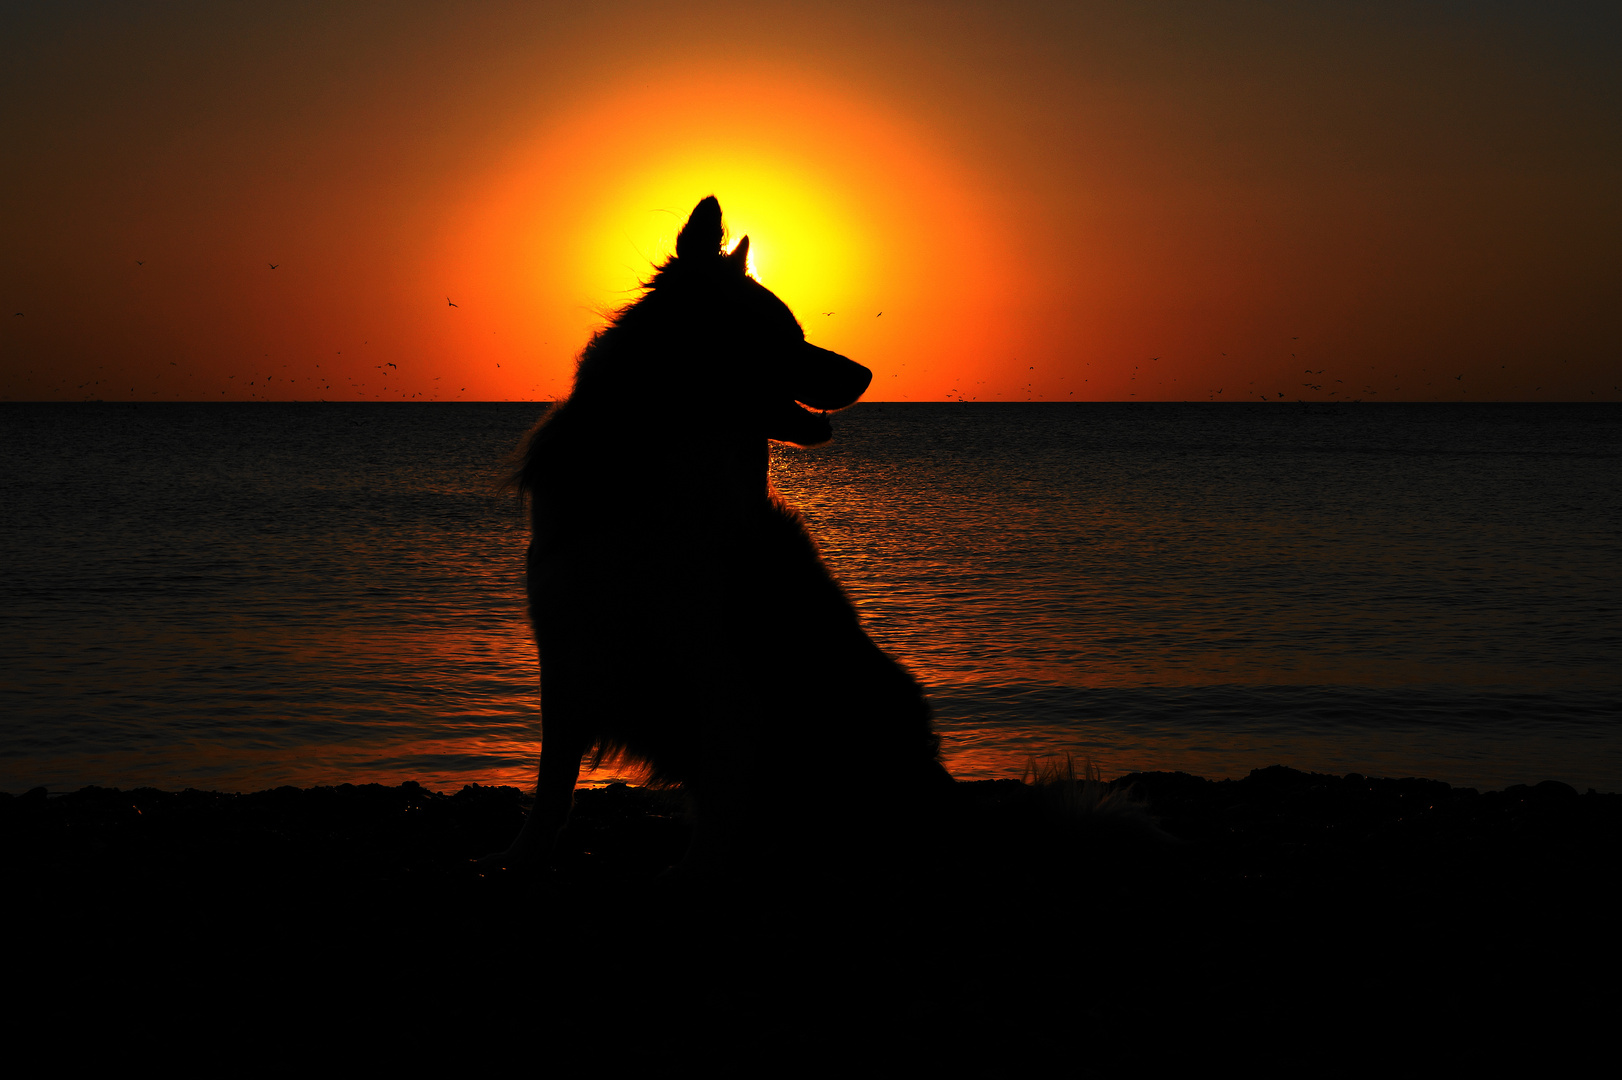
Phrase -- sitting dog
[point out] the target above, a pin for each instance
(683, 616)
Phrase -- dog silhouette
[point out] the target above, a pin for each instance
(682, 614)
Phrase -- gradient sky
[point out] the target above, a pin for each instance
(1046, 201)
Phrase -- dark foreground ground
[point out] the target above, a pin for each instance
(1297, 920)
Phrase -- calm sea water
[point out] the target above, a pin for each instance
(241, 596)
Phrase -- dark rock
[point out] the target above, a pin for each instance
(1297, 912)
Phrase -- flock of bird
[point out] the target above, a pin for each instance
(1330, 390)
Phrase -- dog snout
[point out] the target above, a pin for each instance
(826, 380)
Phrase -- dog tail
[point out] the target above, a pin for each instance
(1086, 803)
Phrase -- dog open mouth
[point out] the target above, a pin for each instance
(792, 422)
(821, 382)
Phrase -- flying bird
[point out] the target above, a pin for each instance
(448, 301)
(273, 265)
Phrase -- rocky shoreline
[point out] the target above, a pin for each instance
(1279, 915)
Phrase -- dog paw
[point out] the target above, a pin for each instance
(511, 861)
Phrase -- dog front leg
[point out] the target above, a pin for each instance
(561, 751)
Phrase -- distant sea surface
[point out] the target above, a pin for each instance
(242, 596)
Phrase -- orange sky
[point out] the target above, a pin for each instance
(1046, 201)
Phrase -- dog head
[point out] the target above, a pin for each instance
(719, 342)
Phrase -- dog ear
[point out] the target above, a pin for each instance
(739, 256)
(701, 236)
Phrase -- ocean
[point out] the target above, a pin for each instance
(241, 596)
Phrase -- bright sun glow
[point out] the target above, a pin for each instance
(879, 246)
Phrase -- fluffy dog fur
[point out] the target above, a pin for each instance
(683, 616)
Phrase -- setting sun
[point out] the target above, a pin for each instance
(879, 246)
